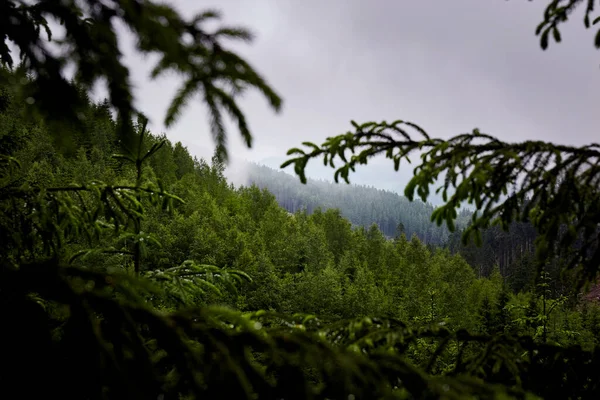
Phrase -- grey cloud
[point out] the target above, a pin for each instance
(450, 66)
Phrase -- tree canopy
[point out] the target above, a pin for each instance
(129, 269)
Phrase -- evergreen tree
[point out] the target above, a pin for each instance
(105, 312)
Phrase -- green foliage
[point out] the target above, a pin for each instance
(558, 12)
(292, 262)
(190, 280)
(551, 186)
(90, 46)
(117, 256)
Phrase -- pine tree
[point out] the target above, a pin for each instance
(95, 333)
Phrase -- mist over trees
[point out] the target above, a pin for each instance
(512, 252)
(362, 205)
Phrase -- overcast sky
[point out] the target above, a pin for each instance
(449, 66)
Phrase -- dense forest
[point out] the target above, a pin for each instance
(511, 251)
(130, 269)
(270, 259)
(314, 263)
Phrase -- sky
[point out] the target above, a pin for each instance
(449, 66)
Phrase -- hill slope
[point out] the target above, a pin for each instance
(362, 205)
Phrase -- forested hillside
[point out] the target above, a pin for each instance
(131, 270)
(304, 262)
(362, 205)
(511, 251)
(271, 259)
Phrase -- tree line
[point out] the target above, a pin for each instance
(511, 251)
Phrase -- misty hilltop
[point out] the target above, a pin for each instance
(362, 204)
